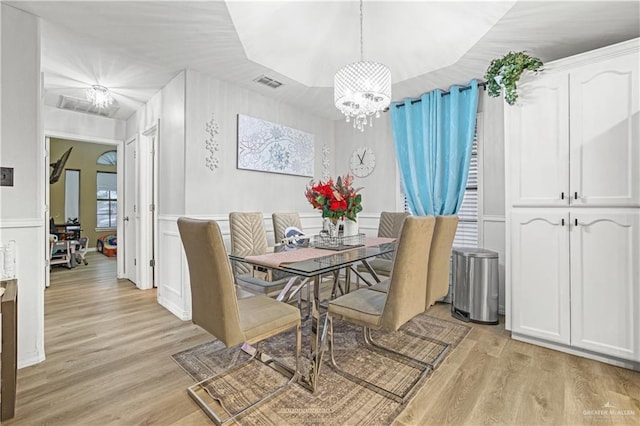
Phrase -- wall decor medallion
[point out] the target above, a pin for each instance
(270, 147)
(212, 146)
(325, 162)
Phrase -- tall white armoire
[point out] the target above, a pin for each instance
(573, 206)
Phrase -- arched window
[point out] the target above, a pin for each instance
(109, 158)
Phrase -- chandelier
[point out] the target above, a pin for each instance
(99, 96)
(362, 89)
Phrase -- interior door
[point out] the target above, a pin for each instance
(47, 189)
(129, 222)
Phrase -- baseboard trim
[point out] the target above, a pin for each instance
(30, 359)
(619, 362)
(175, 310)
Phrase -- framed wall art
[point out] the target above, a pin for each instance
(270, 147)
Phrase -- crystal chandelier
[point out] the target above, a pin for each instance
(362, 89)
(99, 96)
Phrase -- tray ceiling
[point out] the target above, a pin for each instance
(135, 48)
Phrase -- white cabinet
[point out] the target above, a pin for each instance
(540, 267)
(605, 133)
(577, 278)
(605, 281)
(575, 135)
(572, 147)
(538, 137)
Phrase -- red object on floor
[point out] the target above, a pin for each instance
(108, 245)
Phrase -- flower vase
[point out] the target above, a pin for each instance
(350, 227)
(332, 227)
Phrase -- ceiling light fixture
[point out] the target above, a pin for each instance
(362, 89)
(99, 96)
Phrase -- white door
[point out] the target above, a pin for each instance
(540, 274)
(605, 134)
(605, 281)
(537, 132)
(129, 221)
(146, 163)
(47, 209)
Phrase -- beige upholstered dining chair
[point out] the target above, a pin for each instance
(439, 261)
(217, 310)
(281, 221)
(249, 238)
(440, 258)
(388, 227)
(404, 300)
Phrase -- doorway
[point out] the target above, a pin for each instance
(87, 205)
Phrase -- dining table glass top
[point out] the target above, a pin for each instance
(308, 261)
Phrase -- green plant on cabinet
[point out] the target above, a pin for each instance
(505, 73)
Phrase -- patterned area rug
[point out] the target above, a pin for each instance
(338, 401)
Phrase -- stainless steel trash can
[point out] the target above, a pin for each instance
(475, 285)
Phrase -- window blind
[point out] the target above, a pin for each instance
(467, 233)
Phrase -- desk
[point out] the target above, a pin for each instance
(9, 311)
(314, 263)
(69, 231)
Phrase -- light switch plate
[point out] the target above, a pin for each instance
(6, 176)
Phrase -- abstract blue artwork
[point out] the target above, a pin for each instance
(270, 147)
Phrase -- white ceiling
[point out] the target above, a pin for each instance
(135, 48)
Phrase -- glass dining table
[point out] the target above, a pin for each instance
(310, 264)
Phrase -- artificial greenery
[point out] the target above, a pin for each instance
(508, 70)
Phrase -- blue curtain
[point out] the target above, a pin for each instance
(433, 140)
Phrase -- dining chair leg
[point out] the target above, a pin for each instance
(400, 398)
(433, 364)
(195, 391)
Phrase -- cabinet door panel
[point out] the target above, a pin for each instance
(605, 283)
(605, 143)
(538, 138)
(540, 275)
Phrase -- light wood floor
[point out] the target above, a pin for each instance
(108, 348)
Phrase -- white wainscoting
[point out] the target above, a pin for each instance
(30, 253)
(493, 238)
(171, 264)
(170, 269)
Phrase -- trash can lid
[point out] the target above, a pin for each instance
(474, 252)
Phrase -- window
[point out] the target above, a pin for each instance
(108, 158)
(107, 200)
(71, 195)
(467, 233)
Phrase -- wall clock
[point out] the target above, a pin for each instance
(362, 162)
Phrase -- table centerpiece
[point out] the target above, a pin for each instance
(337, 200)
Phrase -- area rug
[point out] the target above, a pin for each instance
(338, 401)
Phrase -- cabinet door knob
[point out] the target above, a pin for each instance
(576, 221)
(562, 222)
(562, 195)
(575, 195)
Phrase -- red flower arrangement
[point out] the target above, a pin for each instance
(335, 199)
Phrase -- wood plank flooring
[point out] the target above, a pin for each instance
(108, 348)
